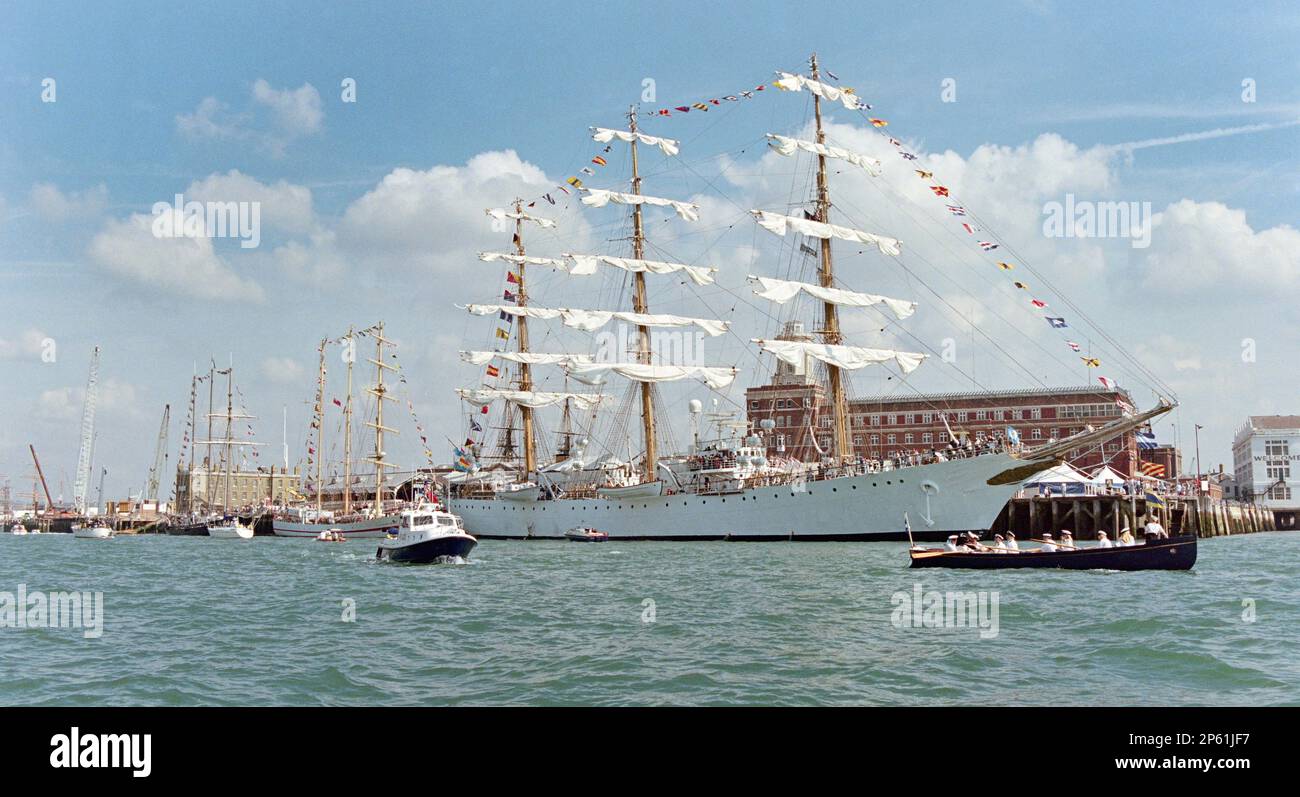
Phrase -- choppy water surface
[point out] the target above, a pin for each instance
(196, 621)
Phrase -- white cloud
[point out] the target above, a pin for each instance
(283, 205)
(30, 345)
(113, 397)
(183, 265)
(48, 202)
(294, 114)
(297, 112)
(282, 370)
(1196, 245)
(433, 220)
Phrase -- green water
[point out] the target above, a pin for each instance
(193, 621)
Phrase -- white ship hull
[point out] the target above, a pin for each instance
(940, 499)
(231, 531)
(365, 529)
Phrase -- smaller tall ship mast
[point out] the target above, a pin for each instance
(380, 392)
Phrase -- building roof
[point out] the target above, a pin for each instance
(1077, 390)
(1275, 421)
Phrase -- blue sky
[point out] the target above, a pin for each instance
(440, 85)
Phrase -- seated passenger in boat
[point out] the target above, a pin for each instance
(1067, 540)
(1154, 530)
(999, 544)
(1048, 546)
(951, 544)
(1012, 545)
(1103, 541)
(1125, 537)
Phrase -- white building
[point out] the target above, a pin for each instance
(1266, 462)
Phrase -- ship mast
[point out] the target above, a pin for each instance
(640, 305)
(319, 422)
(350, 354)
(525, 370)
(380, 394)
(831, 326)
(191, 428)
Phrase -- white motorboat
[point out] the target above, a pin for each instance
(94, 531)
(427, 534)
(230, 530)
(18, 529)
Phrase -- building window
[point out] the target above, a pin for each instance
(982, 415)
(1036, 413)
(907, 438)
(1279, 492)
(875, 440)
(1036, 434)
(1275, 453)
(926, 437)
(826, 423)
(998, 415)
(927, 417)
(753, 405)
(780, 404)
(1017, 415)
(857, 439)
(892, 439)
(961, 417)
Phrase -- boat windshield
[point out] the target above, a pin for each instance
(421, 520)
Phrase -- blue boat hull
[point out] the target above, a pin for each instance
(436, 550)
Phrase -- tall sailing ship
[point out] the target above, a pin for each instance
(723, 486)
(372, 518)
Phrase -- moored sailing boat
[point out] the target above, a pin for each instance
(725, 488)
(378, 518)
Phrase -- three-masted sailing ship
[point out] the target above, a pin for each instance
(353, 519)
(725, 487)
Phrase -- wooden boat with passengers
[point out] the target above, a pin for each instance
(1169, 553)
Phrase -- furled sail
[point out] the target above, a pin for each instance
(501, 214)
(604, 135)
(547, 313)
(788, 146)
(775, 222)
(782, 291)
(591, 320)
(791, 82)
(529, 357)
(585, 265)
(526, 398)
(599, 198)
(716, 377)
(847, 357)
(527, 260)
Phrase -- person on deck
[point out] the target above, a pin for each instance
(951, 545)
(1067, 540)
(999, 544)
(1103, 541)
(1012, 545)
(1154, 530)
(1125, 537)
(1048, 546)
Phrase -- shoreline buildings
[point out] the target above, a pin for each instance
(1266, 465)
(887, 426)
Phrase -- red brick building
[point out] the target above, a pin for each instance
(884, 426)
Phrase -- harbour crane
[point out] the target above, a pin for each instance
(82, 484)
(159, 456)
